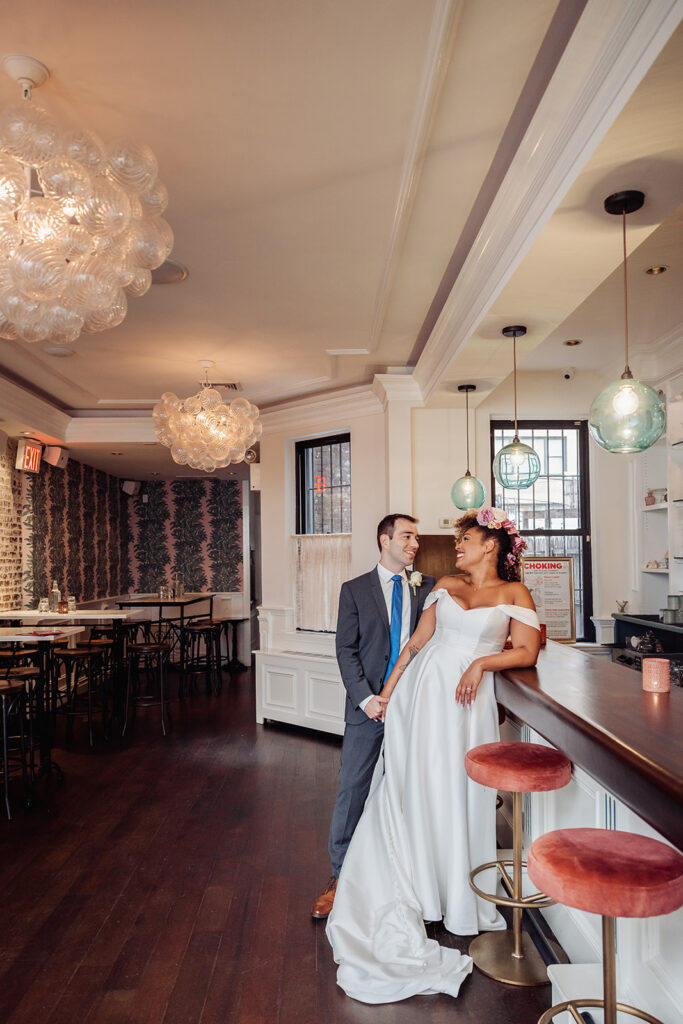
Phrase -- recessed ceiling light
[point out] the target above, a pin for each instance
(60, 351)
(572, 342)
(656, 270)
(117, 453)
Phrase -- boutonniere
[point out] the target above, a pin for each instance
(415, 581)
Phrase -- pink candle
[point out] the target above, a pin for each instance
(656, 675)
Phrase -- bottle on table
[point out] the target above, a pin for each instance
(55, 597)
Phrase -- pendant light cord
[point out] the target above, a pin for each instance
(627, 369)
(467, 430)
(514, 379)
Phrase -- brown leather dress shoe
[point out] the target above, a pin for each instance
(323, 905)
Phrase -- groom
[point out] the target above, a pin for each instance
(377, 614)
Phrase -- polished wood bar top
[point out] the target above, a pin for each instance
(599, 715)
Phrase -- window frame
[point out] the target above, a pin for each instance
(584, 532)
(300, 449)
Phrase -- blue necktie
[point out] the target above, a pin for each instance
(396, 616)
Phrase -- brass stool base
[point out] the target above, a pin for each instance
(574, 1005)
(492, 954)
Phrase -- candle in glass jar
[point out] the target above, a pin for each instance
(656, 675)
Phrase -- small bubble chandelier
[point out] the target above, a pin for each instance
(205, 433)
(80, 223)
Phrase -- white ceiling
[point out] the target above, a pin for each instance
(333, 168)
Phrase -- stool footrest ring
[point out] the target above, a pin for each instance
(535, 901)
(572, 1006)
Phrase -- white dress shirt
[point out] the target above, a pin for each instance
(387, 585)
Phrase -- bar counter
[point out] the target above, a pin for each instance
(629, 741)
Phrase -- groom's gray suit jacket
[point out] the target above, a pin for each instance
(363, 637)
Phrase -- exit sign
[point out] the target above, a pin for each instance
(28, 455)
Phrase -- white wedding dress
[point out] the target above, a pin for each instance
(426, 825)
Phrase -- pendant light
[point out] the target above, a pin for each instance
(516, 466)
(468, 491)
(627, 416)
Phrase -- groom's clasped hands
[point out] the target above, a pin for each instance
(376, 707)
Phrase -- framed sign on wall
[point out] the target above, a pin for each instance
(551, 582)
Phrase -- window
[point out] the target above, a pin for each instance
(323, 485)
(553, 515)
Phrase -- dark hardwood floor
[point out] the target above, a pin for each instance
(171, 881)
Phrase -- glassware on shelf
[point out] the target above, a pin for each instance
(44, 605)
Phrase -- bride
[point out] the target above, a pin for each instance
(426, 825)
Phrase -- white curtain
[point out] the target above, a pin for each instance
(322, 562)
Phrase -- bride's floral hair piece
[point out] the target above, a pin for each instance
(498, 519)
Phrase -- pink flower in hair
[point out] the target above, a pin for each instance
(511, 559)
(485, 517)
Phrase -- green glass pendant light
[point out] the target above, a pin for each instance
(516, 466)
(627, 416)
(468, 491)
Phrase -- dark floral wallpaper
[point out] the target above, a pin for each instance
(190, 528)
(80, 529)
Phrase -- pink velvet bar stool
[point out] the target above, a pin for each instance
(518, 768)
(614, 874)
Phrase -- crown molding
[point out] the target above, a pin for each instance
(612, 48)
(321, 411)
(396, 387)
(110, 430)
(23, 410)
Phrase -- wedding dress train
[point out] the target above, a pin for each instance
(426, 825)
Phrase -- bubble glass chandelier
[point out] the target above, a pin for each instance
(204, 432)
(80, 222)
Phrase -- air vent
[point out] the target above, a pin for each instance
(230, 386)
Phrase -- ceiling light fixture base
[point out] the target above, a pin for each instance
(627, 201)
(27, 71)
(515, 331)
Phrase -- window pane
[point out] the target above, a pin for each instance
(324, 485)
(553, 504)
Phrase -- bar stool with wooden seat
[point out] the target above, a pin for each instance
(82, 663)
(614, 874)
(16, 746)
(223, 630)
(200, 655)
(139, 694)
(518, 768)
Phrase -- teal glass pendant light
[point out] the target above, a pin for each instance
(627, 416)
(516, 466)
(468, 491)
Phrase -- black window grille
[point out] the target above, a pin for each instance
(323, 485)
(553, 515)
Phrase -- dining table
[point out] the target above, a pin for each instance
(178, 604)
(42, 638)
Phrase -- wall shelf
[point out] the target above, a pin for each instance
(655, 508)
(643, 569)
